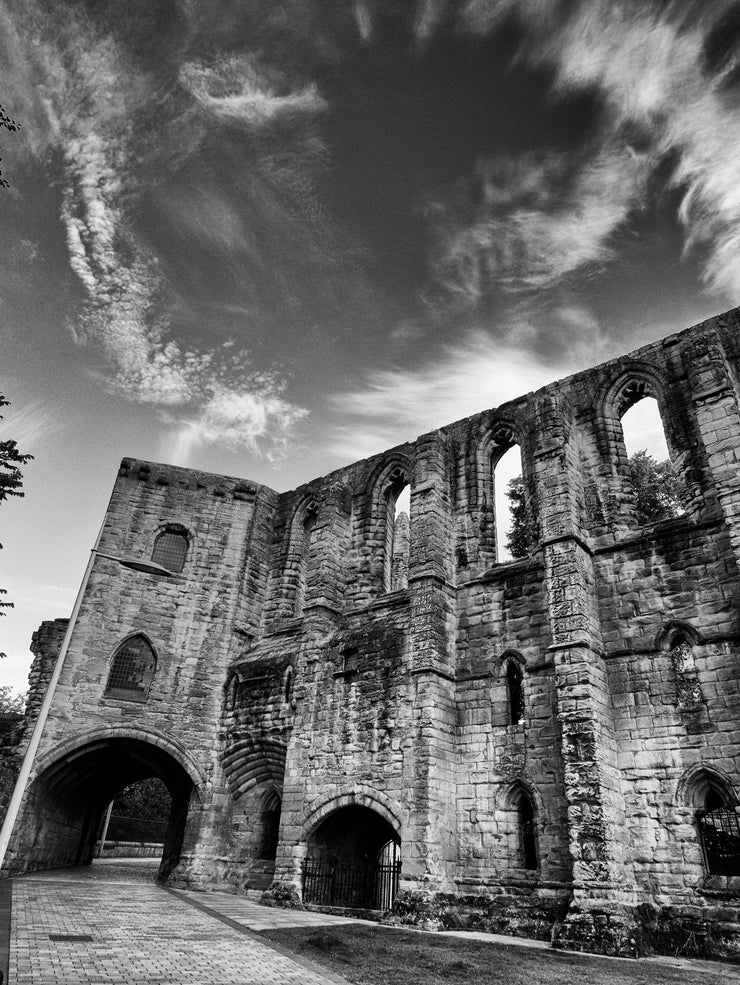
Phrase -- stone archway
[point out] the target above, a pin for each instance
(73, 785)
(352, 860)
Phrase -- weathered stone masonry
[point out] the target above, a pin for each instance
(540, 739)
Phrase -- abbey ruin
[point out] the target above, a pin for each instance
(358, 712)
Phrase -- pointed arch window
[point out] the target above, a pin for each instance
(397, 531)
(526, 832)
(269, 826)
(719, 831)
(521, 827)
(304, 547)
(171, 548)
(132, 670)
(513, 673)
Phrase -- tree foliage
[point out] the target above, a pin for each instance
(8, 124)
(11, 480)
(660, 494)
(11, 702)
(516, 538)
(148, 799)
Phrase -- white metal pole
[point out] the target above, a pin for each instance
(104, 835)
(33, 745)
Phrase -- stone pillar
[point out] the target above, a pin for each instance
(716, 400)
(429, 846)
(601, 914)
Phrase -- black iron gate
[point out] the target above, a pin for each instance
(366, 886)
(720, 839)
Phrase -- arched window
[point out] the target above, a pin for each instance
(514, 691)
(132, 670)
(526, 831)
(520, 827)
(658, 486)
(304, 538)
(171, 548)
(269, 826)
(719, 832)
(688, 689)
(288, 685)
(509, 504)
(397, 530)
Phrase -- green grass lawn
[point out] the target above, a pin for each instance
(381, 956)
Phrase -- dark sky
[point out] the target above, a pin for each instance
(270, 238)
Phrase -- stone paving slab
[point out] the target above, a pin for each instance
(140, 934)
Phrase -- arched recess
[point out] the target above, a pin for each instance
(75, 782)
(518, 811)
(269, 822)
(353, 854)
(512, 670)
(383, 526)
(348, 796)
(302, 547)
(711, 796)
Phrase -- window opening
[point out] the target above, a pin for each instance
(171, 549)
(288, 691)
(270, 828)
(132, 670)
(660, 492)
(509, 506)
(515, 691)
(527, 839)
(398, 530)
(305, 545)
(719, 834)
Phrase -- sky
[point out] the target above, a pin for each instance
(268, 239)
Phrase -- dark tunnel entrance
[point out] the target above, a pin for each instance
(69, 799)
(353, 861)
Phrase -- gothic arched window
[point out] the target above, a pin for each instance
(514, 691)
(719, 831)
(171, 548)
(269, 827)
(527, 837)
(132, 670)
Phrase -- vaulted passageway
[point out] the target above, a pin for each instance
(353, 860)
(68, 799)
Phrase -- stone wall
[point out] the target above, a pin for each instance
(538, 736)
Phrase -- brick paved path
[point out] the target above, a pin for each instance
(139, 934)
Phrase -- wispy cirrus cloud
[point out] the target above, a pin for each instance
(89, 101)
(666, 72)
(538, 218)
(479, 370)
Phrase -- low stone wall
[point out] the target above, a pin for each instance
(131, 849)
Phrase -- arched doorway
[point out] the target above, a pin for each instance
(69, 797)
(353, 860)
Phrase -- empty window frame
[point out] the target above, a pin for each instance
(659, 490)
(719, 834)
(171, 548)
(132, 670)
(509, 505)
(396, 499)
(514, 691)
